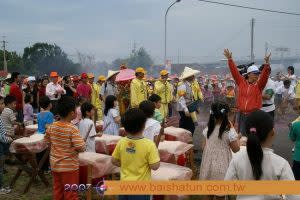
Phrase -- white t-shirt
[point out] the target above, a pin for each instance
(152, 129)
(278, 84)
(293, 79)
(112, 128)
(84, 126)
(270, 88)
(287, 93)
(274, 167)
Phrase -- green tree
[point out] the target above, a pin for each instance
(14, 61)
(139, 58)
(43, 58)
(118, 62)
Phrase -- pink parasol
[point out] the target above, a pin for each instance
(125, 75)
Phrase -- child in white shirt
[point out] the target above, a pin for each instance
(88, 111)
(288, 96)
(258, 161)
(152, 127)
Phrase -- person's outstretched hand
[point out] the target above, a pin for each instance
(227, 54)
(267, 58)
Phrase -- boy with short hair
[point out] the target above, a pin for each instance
(8, 116)
(45, 117)
(5, 140)
(156, 99)
(288, 96)
(65, 143)
(134, 154)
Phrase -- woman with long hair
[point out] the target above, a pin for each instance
(32, 89)
(258, 162)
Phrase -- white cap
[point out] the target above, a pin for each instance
(253, 69)
(31, 78)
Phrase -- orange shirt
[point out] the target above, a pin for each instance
(65, 143)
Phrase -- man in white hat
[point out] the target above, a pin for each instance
(110, 86)
(188, 92)
(250, 89)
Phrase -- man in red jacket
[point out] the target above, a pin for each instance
(16, 92)
(250, 90)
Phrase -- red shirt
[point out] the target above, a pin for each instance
(249, 95)
(42, 91)
(16, 92)
(84, 90)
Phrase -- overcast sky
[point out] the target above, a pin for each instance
(107, 29)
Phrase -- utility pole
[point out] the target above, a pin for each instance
(178, 56)
(266, 48)
(4, 56)
(252, 40)
(133, 51)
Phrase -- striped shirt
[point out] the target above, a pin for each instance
(65, 145)
(3, 137)
(8, 118)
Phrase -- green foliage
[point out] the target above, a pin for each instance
(139, 58)
(43, 58)
(14, 61)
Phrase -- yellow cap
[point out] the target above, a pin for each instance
(164, 72)
(140, 70)
(91, 75)
(101, 78)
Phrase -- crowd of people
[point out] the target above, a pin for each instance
(66, 109)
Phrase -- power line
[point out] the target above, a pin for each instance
(251, 8)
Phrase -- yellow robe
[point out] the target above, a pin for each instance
(138, 92)
(197, 96)
(197, 91)
(164, 90)
(95, 100)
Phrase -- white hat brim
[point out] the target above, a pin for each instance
(112, 74)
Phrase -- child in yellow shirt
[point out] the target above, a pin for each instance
(134, 154)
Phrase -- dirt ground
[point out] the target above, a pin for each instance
(39, 191)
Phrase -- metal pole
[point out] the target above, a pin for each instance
(252, 40)
(4, 55)
(165, 56)
(266, 48)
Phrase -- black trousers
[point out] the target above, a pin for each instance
(54, 107)
(46, 164)
(272, 113)
(296, 169)
(186, 122)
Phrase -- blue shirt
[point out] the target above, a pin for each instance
(44, 118)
